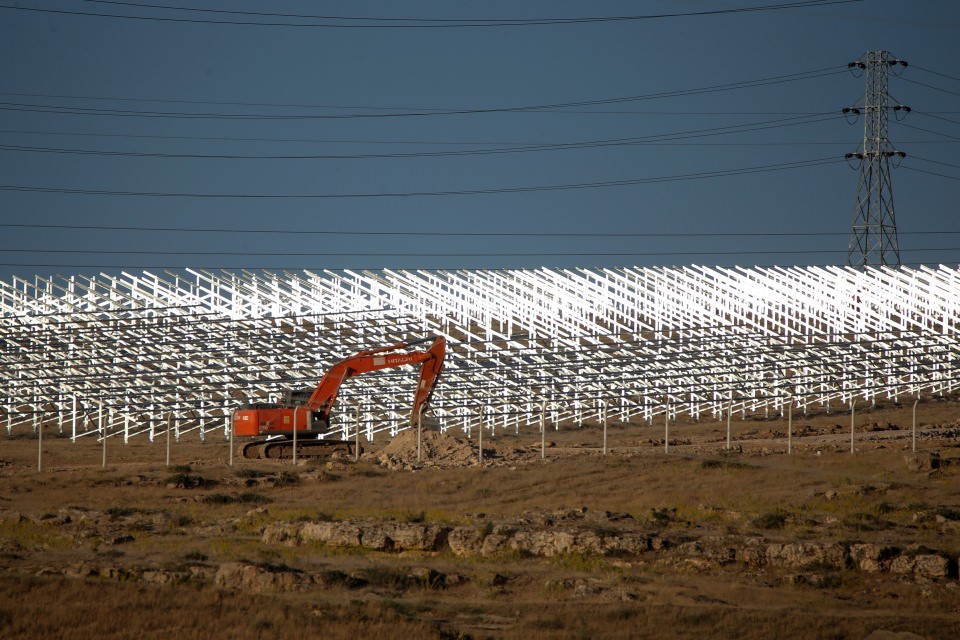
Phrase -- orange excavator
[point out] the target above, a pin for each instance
(307, 413)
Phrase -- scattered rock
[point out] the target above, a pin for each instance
(465, 541)
(165, 577)
(11, 517)
(803, 554)
(924, 461)
(187, 481)
(340, 534)
(924, 565)
(261, 578)
(80, 570)
(379, 536)
(871, 557)
(619, 537)
(417, 536)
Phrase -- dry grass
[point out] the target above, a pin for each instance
(94, 609)
(86, 609)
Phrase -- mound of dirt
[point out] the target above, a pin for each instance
(446, 450)
(435, 447)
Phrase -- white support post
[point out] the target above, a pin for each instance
(729, 419)
(230, 458)
(480, 443)
(666, 424)
(73, 434)
(790, 428)
(228, 428)
(853, 418)
(103, 435)
(295, 410)
(605, 410)
(169, 429)
(913, 447)
(543, 431)
(419, 431)
(356, 434)
(369, 422)
(40, 447)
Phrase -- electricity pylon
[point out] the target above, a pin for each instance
(873, 237)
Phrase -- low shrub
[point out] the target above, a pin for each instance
(772, 520)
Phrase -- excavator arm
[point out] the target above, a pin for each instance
(429, 374)
(323, 397)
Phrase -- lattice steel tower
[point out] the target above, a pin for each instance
(873, 237)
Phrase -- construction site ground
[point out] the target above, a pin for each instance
(698, 541)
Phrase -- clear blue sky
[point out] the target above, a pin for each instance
(136, 86)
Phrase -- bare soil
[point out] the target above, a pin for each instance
(138, 548)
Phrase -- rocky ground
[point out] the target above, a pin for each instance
(698, 542)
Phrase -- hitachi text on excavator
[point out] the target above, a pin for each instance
(308, 412)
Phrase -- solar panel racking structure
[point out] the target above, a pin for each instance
(127, 355)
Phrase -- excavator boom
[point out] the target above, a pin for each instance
(322, 399)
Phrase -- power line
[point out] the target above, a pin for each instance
(464, 192)
(744, 84)
(403, 23)
(932, 173)
(564, 146)
(930, 86)
(516, 234)
(454, 254)
(936, 133)
(598, 112)
(945, 164)
(394, 233)
(261, 14)
(380, 267)
(439, 142)
(283, 105)
(644, 112)
(936, 73)
(930, 115)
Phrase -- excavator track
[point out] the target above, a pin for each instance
(282, 449)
